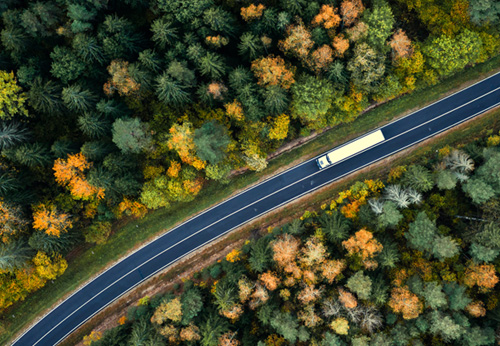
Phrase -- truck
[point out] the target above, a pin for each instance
(350, 149)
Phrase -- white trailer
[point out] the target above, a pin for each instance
(350, 149)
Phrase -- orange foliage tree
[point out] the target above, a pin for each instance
(298, 41)
(476, 309)
(181, 139)
(332, 268)
(131, 208)
(252, 12)
(327, 17)
(313, 253)
(217, 90)
(121, 80)
(401, 45)
(321, 58)
(350, 11)
(363, 245)
(347, 299)
(285, 250)
(405, 302)
(270, 280)
(483, 275)
(49, 220)
(340, 44)
(70, 173)
(190, 333)
(228, 339)
(272, 70)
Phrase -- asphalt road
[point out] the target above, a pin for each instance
(249, 204)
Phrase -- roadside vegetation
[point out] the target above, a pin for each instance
(408, 260)
(109, 109)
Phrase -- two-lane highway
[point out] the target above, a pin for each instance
(248, 205)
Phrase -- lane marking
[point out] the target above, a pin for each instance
(238, 194)
(265, 197)
(278, 206)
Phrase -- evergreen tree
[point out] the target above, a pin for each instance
(93, 125)
(65, 64)
(131, 135)
(211, 142)
(14, 255)
(11, 134)
(212, 66)
(421, 233)
(260, 255)
(419, 178)
(275, 99)
(88, 49)
(78, 99)
(250, 46)
(164, 34)
(45, 97)
(172, 92)
(336, 226)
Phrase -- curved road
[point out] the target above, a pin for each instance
(249, 204)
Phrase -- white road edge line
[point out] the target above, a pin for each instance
(273, 193)
(279, 205)
(246, 190)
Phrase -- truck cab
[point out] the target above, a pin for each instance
(323, 162)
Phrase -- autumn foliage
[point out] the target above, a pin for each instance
(327, 17)
(298, 41)
(401, 45)
(49, 220)
(482, 275)
(181, 139)
(120, 81)
(70, 173)
(363, 244)
(272, 70)
(405, 302)
(350, 11)
(252, 12)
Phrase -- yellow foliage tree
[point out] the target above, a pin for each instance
(405, 302)
(272, 70)
(252, 12)
(279, 128)
(12, 98)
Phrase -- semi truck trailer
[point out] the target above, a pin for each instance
(350, 149)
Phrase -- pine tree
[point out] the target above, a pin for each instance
(65, 64)
(78, 99)
(164, 34)
(14, 255)
(275, 99)
(212, 66)
(93, 125)
(336, 226)
(88, 49)
(45, 97)
(211, 142)
(250, 46)
(11, 134)
(32, 155)
(171, 92)
(260, 255)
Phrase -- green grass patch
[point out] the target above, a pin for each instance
(91, 260)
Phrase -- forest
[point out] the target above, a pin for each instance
(111, 108)
(412, 260)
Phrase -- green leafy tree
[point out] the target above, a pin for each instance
(131, 135)
(211, 142)
(360, 284)
(380, 21)
(367, 67)
(477, 336)
(484, 12)
(78, 99)
(434, 296)
(311, 101)
(40, 18)
(14, 39)
(419, 178)
(192, 303)
(444, 247)
(12, 98)
(444, 326)
(184, 10)
(285, 324)
(390, 215)
(66, 65)
(421, 233)
(482, 253)
(457, 296)
(478, 190)
(447, 55)
(31, 155)
(446, 180)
